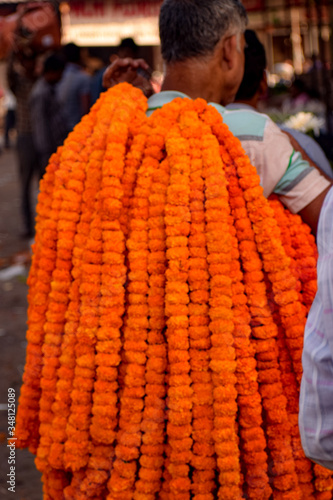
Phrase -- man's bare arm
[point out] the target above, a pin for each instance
(128, 70)
(310, 213)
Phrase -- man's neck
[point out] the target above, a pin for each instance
(192, 78)
(253, 101)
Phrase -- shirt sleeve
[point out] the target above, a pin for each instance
(316, 395)
(313, 150)
(282, 170)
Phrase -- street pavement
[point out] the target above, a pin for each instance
(15, 257)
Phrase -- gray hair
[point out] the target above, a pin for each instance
(192, 28)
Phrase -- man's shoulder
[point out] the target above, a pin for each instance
(246, 123)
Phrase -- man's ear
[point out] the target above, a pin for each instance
(229, 50)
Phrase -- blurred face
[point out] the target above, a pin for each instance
(53, 77)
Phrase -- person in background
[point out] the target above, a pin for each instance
(49, 120)
(127, 48)
(254, 87)
(202, 45)
(74, 87)
(316, 394)
(10, 116)
(21, 77)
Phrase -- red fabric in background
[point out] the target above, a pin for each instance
(35, 25)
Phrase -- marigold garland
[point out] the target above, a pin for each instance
(249, 400)
(27, 421)
(204, 460)
(167, 303)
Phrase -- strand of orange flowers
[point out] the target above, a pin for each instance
(93, 484)
(55, 315)
(284, 224)
(204, 459)
(111, 305)
(62, 401)
(61, 406)
(271, 390)
(275, 261)
(68, 359)
(277, 426)
(290, 388)
(69, 192)
(302, 248)
(249, 399)
(135, 333)
(306, 257)
(55, 481)
(27, 420)
(173, 226)
(323, 482)
(176, 310)
(94, 257)
(138, 136)
(154, 416)
(302, 464)
(39, 296)
(179, 381)
(286, 298)
(77, 446)
(67, 198)
(124, 470)
(223, 362)
(294, 322)
(153, 421)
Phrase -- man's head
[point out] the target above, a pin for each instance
(128, 48)
(72, 53)
(193, 28)
(254, 69)
(53, 68)
(202, 44)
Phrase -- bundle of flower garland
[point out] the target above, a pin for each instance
(167, 303)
